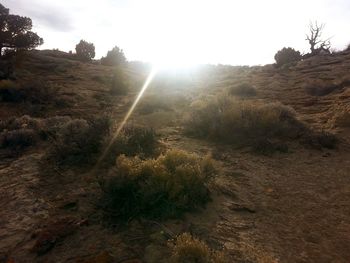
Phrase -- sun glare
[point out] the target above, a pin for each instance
(127, 116)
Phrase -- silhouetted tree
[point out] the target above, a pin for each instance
(115, 57)
(286, 56)
(15, 31)
(85, 51)
(317, 45)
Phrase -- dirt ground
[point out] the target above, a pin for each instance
(288, 207)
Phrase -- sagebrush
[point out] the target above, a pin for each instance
(188, 249)
(157, 188)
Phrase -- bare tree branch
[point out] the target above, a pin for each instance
(317, 45)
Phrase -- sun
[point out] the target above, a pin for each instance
(171, 57)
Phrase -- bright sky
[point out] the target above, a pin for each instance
(183, 32)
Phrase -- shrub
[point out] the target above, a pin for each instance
(187, 249)
(243, 90)
(243, 122)
(136, 140)
(18, 139)
(10, 91)
(268, 147)
(18, 133)
(157, 188)
(319, 140)
(34, 92)
(287, 56)
(151, 104)
(320, 89)
(22, 122)
(79, 141)
(120, 84)
(40, 93)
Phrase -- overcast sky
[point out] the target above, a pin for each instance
(244, 32)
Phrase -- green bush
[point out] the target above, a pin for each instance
(187, 249)
(243, 90)
(157, 188)
(287, 56)
(242, 122)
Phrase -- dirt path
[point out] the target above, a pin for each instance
(21, 208)
(291, 207)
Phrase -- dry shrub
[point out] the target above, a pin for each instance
(151, 104)
(25, 121)
(235, 121)
(243, 90)
(18, 139)
(10, 91)
(319, 140)
(341, 117)
(34, 92)
(134, 140)
(79, 141)
(19, 133)
(157, 188)
(320, 89)
(187, 249)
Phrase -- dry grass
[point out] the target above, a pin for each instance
(187, 249)
(226, 119)
(243, 90)
(133, 140)
(157, 188)
(78, 141)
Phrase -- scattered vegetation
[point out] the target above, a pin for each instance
(234, 121)
(133, 140)
(153, 103)
(18, 139)
(79, 141)
(243, 90)
(19, 133)
(286, 56)
(10, 91)
(321, 89)
(34, 92)
(157, 188)
(319, 140)
(186, 249)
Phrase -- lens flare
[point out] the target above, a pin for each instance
(127, 116)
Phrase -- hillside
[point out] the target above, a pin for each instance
(288, 205)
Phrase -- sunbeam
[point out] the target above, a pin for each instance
(127, 116)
